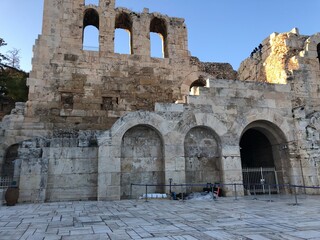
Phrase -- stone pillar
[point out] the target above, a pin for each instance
(109, 170)
(232, 170)
(34, 172)
(174, 164)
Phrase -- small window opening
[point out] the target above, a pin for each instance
(67, 100)
(91, 30)
(92, 2)
(107, 103)
(195, 86)
(158, 38)
(123, 36)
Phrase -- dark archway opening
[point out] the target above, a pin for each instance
(258, 166)
(255, 150)
(8, 166)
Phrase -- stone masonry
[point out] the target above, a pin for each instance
(97, 121)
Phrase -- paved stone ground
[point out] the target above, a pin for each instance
(225, 218)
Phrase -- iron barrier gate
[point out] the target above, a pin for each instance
(260, 180)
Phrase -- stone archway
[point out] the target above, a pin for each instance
(10, 156)
(256, 150)
(263, 147)
(202, 157)
(142, 161)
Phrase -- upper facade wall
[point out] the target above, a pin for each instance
(70, 86)
(64, 21)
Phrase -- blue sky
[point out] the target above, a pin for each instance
(219, 30)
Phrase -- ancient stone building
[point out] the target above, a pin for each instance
(97, 121)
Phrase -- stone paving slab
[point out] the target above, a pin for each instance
(225, 218)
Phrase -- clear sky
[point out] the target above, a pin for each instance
(219, 30)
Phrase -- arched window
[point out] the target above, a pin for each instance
(194, 88)
(123, 36)
(156, 45)
(158, 27)
(90, 35)
(92, 2)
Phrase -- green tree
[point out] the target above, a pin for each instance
(2, 57)
(13, 86)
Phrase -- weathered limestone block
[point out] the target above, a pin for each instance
(33, 180)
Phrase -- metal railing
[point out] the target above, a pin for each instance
(272, 192)
(5, 182)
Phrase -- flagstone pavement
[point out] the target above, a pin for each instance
(225, 218)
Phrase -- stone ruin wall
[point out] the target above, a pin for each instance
(274, 60)
(73, 90)
(293, 59)
(79, 89)
(214, 70)
(87, 92)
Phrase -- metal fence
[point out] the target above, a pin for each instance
(255, 180)
(5, 182)
(288, 193)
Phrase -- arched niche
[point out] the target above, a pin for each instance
(202, 157)
(142, 161)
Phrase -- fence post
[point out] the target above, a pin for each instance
(235, 191)
(146, 192)
(270, 193)
(254, 192)
(131, 191)
(295, 195)
(182, 194)
(212, 191)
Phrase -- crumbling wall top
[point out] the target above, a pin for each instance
(215, 70)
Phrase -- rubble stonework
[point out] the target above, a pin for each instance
(98, 121)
